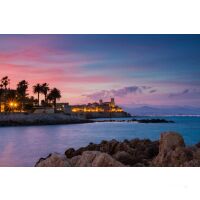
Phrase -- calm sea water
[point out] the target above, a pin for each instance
(23, 146)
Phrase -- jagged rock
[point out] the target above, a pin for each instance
(125, 158)
(172, 151)
(105, 160)
(169, 151)
(94, 159)
(73, 161)
(108, 146)
(86, 159)
(170, 140)
(70, 152)
(123, 147)
(192, 163)
(196, 154)
(180, 155)
(151, 150)
(134, 151)
(53, 160)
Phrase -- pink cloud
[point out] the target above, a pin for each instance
(56, 74)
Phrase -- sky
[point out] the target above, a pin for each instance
(159, 70)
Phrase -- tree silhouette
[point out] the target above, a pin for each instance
(37, 89)
(5, 81)
(53, 96)
(22, 87)
(44, 90)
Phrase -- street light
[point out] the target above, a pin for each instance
(13, 105)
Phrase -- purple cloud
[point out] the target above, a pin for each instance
(186, 91)
(103, 94)
(152, 91)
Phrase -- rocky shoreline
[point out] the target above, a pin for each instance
(25, 119)
(169, 151)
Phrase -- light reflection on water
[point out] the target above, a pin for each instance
(23, 146)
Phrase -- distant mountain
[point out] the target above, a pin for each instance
(168, 110)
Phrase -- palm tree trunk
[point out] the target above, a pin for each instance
(54, 105)
(38, 99)
(45, 101)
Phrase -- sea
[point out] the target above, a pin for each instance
(23, 146)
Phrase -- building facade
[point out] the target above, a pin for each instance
(97, 107)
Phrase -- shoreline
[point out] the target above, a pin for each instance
(33, 119)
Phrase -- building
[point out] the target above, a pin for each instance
(64, 107)
(97, 107)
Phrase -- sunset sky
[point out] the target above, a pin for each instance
(135, 69)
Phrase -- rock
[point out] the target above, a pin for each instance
(170, 140)
(139, 165)
(153, 121)
(125, 158)
(121, 146)
(169, 151)
(108, 146)
(172, 151)
(151, 150)
(196, 154)
(180, 156)
(73, 161)
(70, 152)
(86, 159)
(198, 145)
(94, 159)
(53, 160)
(105, 160)
(93, 147)
(192, 163)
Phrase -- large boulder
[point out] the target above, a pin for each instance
(94, 159)
(170, 140)
(53, 160)
(172, 151)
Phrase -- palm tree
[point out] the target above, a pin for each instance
(45, 88)
(37, 89)
(5, 81)
(54, 95)
(22, 87)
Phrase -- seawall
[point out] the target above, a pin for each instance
(25, 119)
